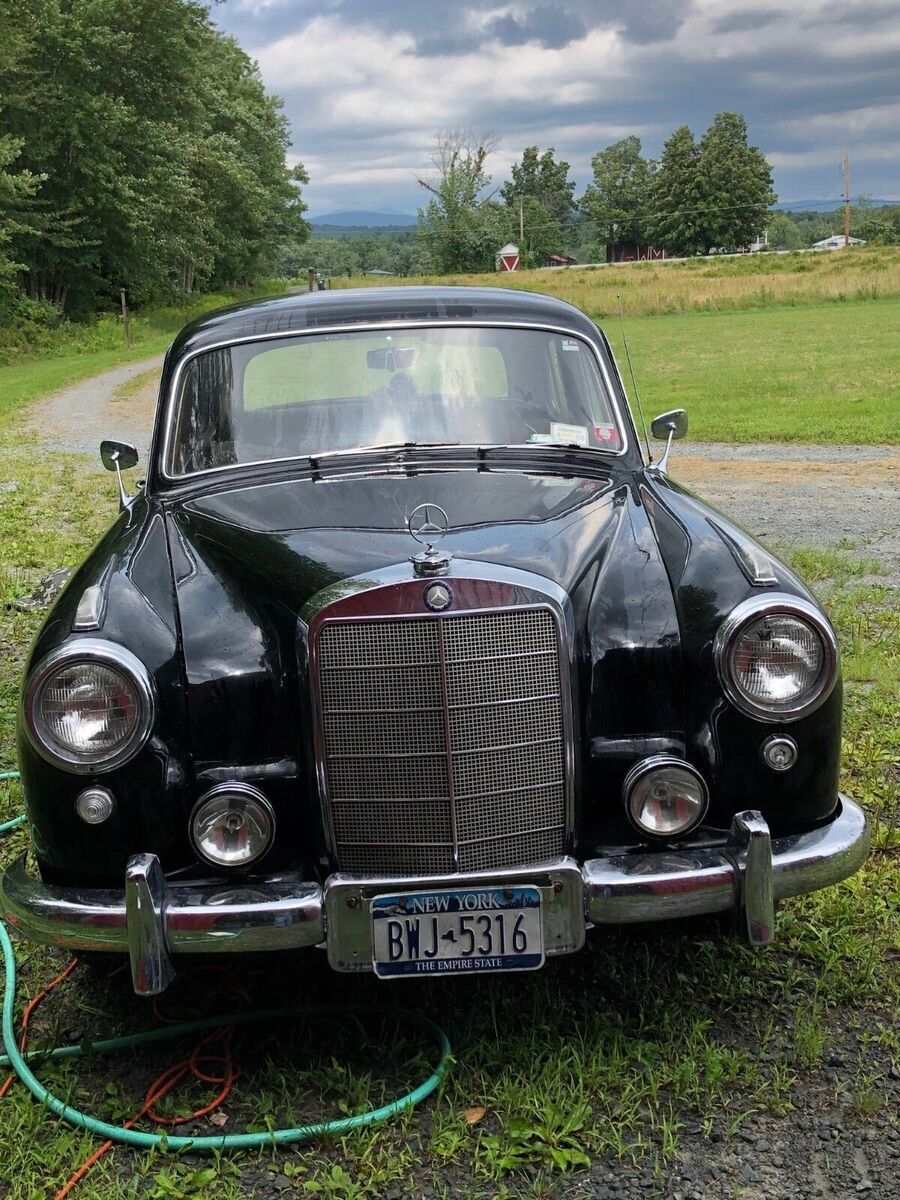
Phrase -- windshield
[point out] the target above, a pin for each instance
(320, 393)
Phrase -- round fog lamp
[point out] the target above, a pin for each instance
(232, 826)
(665, 797)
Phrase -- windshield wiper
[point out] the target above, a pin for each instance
(315, 459)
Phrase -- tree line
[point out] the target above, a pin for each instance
(138, 150)
(698, 196)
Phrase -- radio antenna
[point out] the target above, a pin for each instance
(637, 394)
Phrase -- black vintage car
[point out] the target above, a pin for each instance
(404, 648)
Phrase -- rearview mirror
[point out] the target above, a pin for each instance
(673, 424)
(119, 457)
(390, 359)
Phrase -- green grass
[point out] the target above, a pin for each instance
(753, 281)
(825, 373)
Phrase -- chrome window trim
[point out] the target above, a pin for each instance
(172, 401)
(640, 768)
(109, 654)
(555, 600)
(771, 604)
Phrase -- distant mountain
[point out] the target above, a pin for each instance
(824, 205)
(366, 219)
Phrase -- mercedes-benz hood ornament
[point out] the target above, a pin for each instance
(428, 523)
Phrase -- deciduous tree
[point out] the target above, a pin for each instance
(617, 200)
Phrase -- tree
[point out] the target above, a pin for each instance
(674, 196)
(784, 233)
(161, 158)
(734, 185)
(545, 180)
(17, 189)
(617, 199)
(458, 226)
(538, 200)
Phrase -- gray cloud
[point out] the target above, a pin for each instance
(552, 26)
(746, 20)
(366, 86)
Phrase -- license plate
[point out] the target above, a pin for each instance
(455, 932)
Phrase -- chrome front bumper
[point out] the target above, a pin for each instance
(153, 921)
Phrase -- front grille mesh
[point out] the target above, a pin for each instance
(443, 741)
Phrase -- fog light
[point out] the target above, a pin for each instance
(779, 753)
(232, 826)
(95, 805)
(664, 796)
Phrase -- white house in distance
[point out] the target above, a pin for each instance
(836, 242)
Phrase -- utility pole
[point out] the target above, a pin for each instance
(846, 198)
(521, 223)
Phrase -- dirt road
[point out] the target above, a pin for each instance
(788, 494)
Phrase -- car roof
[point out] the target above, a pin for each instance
(359, 306)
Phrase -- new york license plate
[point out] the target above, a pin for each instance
(452, 932)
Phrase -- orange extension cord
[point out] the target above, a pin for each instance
(213, 1048)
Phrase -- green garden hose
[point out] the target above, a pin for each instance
(232, 1141)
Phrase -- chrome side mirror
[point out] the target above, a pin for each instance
(669, 426)
(119, 457)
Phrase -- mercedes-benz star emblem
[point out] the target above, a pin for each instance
(427, 523)
(437, 596)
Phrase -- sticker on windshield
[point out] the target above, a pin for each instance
(568, 435)
(570, 344)
(607, 434)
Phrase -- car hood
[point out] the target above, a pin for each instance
(247, 558)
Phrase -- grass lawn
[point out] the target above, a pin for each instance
(648, 1052)
(750, 281)
(818, 373)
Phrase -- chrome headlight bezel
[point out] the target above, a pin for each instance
(776, 604)
(648, 766)
(243, 793)
(85, 650)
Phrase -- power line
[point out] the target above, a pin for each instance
(623, 219)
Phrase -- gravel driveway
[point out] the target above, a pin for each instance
(790, 494)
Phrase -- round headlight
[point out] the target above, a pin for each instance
(776, 657)
(665, 797)
(233, 825)
(89, 705)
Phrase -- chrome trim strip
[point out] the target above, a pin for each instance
(752, 560)
(752, 609)
(172, 401)
(89, 650)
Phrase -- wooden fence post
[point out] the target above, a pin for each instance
(125, 318)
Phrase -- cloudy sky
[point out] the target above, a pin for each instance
(366, 83)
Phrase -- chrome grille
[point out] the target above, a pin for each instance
(443, 741)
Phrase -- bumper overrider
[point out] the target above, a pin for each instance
(153, 920)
